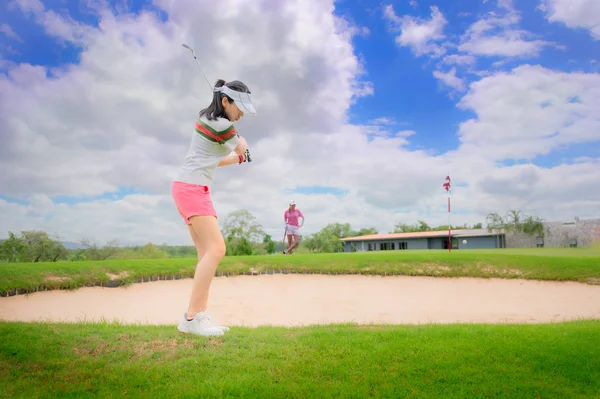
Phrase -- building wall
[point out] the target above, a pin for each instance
(436, 243)
(478, 242)
(584, 233)
(558, 235)
(412, 243)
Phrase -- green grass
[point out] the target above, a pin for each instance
(475, 361)
(573, 264)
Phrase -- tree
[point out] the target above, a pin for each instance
(530, 225)
(239, 247)
(58, 251)
(12, 249)
(364, 232)
(328, 238)
(311, 243)
(269, 244)
(90, 250)
(421, 225)
(408, 228)
(110, 250)
(241, 233)
(32, 246)
(533, 225)
(40, 247)
(152, 251)
(242, 224)
(513, 222)
(495, 224)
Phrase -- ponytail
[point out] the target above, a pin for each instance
(215, 109)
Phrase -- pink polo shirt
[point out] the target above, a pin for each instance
(291, 218)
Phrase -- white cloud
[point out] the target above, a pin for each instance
(574, 14)
(136, 91)
(9, 32)
(498, 34)
(123, 117)
(384, 120)
(419, 34)
(450, 79)
(28, 6)
(565, 189)
(530, 111)
(459, 59)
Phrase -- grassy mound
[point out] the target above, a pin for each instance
(542, 264)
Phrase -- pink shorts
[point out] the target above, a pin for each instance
(192, 200)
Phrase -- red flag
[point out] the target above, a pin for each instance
(447, 184)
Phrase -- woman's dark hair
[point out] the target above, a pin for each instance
(215, 109)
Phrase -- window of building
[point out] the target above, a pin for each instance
(539, 242)
(387, 246)
(403, 245)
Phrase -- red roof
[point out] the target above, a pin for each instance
(418, 234)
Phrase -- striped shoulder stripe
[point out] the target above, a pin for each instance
(213, 135)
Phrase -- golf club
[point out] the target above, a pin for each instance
(283, 241)
(198, 62)
(247, 153)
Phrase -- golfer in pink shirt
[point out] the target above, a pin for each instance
(292, 228)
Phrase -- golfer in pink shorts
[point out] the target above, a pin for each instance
(213, 140)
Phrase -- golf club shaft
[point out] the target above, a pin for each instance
(198, 62)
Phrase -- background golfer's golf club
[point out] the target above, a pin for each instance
(210, 87)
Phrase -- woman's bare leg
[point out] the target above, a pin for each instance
(296, 242)
(197, 243)
(210, 246)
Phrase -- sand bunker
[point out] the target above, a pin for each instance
(295, 300)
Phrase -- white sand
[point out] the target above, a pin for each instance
(293, 300)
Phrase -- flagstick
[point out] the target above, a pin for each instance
(447, 188)
(449, 236)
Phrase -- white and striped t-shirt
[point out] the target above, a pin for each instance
(211, 142)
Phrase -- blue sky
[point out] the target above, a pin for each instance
(419, 93)
(405, 88)
(424, 105)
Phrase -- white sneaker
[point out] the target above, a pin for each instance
(201, 324)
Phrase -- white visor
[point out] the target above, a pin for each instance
(243, 100)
